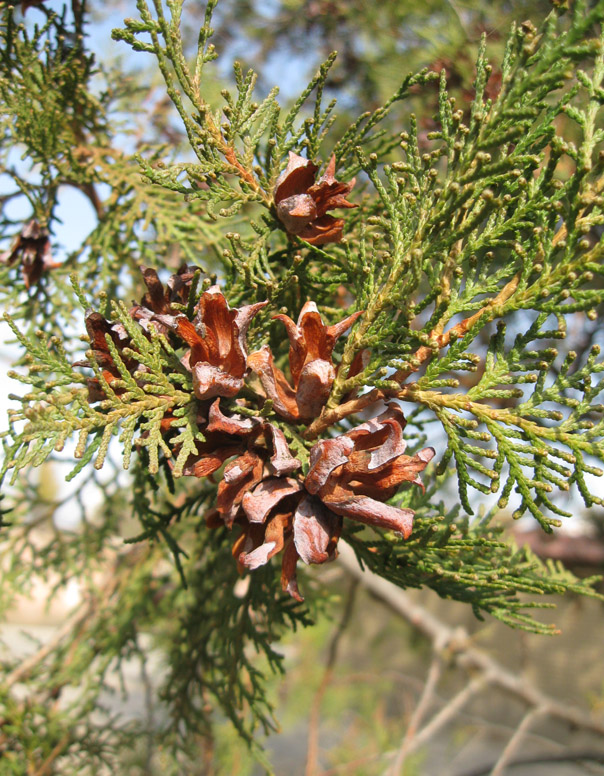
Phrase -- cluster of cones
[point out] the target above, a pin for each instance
(280, 503)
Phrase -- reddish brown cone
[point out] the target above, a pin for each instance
(302, 204)
(218, 352)
(310, 361)
(157, 303)
(32, 248)
(355, 473)
(98, 329)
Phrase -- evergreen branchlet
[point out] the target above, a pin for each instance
(471, 250)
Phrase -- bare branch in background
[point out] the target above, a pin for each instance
(454, 646)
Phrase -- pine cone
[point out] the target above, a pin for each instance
(302, 204)
(32, 248)
(218, 352)
(355, 473)
(155, 307)
(310, 362)
(98, 328)
(158, 301)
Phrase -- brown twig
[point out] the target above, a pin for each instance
(27, 666)
(513, 744)
(545, 759)
(329, 417)
(442, 339)
(452, 708)
(45, 767)
(89, 190)
(75, 623)
(245, 175)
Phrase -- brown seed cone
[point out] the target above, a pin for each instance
(302, 204)
(355, 473)
(98, 328)
(156, 306)
(32, 248)
(218, 352)
(310, 361)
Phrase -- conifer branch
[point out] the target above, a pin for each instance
(278, 298)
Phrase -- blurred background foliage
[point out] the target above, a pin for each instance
(377, 45)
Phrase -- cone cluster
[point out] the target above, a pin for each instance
(279, 505)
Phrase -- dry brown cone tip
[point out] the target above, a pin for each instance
(302, 204)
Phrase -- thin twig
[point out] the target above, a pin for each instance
(329, 417)
(89, 190)
(563, 757)
(312, 751)
(515, 741)
(45, 767)
(26, 667)
(450, 708)
(425, 700)
(73, 623)
(442, 339)
(447, 713)
(149, 715)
